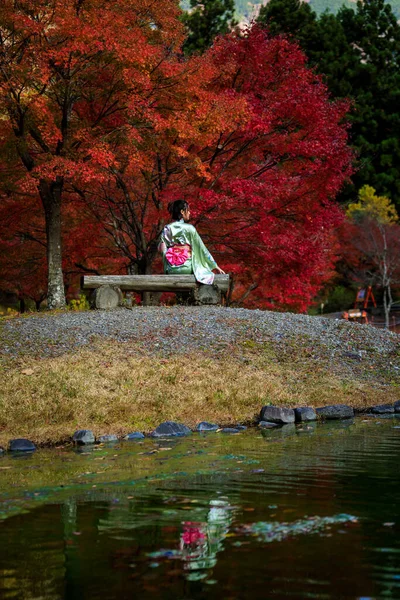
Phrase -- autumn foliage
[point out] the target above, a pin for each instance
(105, 121)
(370, 244)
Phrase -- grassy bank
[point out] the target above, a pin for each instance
(112, 388)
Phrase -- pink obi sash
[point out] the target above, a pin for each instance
(178, 255)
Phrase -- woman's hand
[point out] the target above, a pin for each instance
(220, 271)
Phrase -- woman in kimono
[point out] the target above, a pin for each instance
(183, 250)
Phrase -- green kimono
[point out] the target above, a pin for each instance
(184, 252)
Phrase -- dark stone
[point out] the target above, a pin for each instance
(335, 411)
(241, 427)
(107, 438)
(230, 430)
(353, 355)
(267, 425)
(274, 414)
(21, 445)
(382, 409)
(135, 435)
(304, 414)
(83, 437)
(204, 426)
(171, 429)
(396, 406)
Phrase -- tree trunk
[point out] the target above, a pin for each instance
(133, 269)
(387, 293)
(387, 305)
(50, 194)
(148, 298)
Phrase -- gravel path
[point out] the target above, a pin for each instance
(347, 348)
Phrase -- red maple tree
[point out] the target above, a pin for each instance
(67, 70)
(249, 136)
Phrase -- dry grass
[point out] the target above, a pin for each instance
(111, 389)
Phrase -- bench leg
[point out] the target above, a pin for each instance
(151, 298)
(106, 296)
(207, 294)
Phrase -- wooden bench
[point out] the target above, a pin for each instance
(107, 289)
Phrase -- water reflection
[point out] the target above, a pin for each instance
(315, 515)
(201, 542)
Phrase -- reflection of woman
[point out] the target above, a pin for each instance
(200, 542)
(183, 250)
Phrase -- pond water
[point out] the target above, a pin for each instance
(304, 512)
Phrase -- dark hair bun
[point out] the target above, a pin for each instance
(175, 208)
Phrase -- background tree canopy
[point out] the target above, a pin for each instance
(357, 52)
(245, 9)
(204, 20)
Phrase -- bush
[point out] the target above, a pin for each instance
(340, 298)
(81, 303)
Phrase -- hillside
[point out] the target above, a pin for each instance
(122, 370)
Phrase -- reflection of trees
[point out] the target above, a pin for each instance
(31, 563)
(347, 466)
(68, 517)
(344, 449)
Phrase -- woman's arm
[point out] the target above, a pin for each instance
(164, 238)
(212, 265)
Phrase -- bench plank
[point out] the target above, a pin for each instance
(151, 283)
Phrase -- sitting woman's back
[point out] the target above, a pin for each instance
(183, 250)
